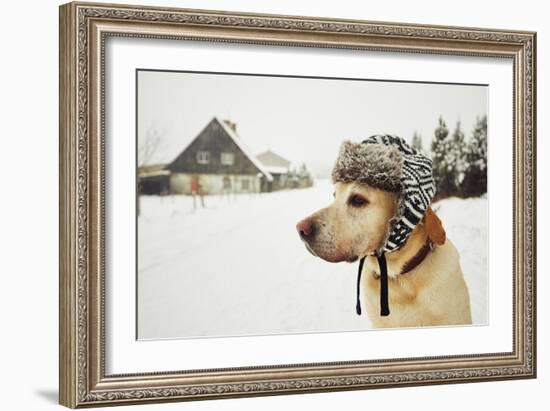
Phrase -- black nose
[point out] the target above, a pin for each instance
(306, 229)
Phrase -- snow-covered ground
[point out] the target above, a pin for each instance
(237, 267)
(465, 221)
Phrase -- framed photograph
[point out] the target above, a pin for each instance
(260, 204)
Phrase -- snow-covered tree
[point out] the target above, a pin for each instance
(416, 142)
(457, 154)
(475, 175)
(443, 161)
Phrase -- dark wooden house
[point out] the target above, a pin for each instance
(217, 161)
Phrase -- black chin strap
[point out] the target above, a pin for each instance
(358, 304)
(384, 304)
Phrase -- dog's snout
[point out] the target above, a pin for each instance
(306, 228)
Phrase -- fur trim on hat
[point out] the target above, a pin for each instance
(387, 162)
(377, 165)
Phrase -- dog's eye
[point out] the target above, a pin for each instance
(357, 201)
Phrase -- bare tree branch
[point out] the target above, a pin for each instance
(149, 146)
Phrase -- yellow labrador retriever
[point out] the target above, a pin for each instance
(425, 282)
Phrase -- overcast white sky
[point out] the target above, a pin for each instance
(304, 120)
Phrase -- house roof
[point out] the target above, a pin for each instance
(246, 151)
(270, 159)
(157, 173)
(277, 170)
(152, 168)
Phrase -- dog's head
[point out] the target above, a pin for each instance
(383, 188)
(354, 225)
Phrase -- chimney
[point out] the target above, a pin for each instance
(231, 125)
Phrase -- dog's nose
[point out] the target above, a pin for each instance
(305, 228)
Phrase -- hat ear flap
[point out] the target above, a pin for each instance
(434, 228)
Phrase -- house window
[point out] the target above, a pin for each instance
(203, 157)
(245, 184)
(227, 159)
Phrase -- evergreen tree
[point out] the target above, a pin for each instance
(475, 176)
(443, 169)
(416, 142)
(457, 157)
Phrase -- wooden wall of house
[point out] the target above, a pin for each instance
(214, 140)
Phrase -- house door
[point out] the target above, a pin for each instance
(226, 183)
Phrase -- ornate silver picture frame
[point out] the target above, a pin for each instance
(84, 30)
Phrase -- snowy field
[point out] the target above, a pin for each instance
(237, 267)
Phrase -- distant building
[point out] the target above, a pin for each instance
(277, 166)
(217, 162)
(157, 182)
(154, 179)
(285, 175)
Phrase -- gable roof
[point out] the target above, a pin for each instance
(271, 159)
(229, 132)
(274, 163)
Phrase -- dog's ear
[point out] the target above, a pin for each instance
(434, 228)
